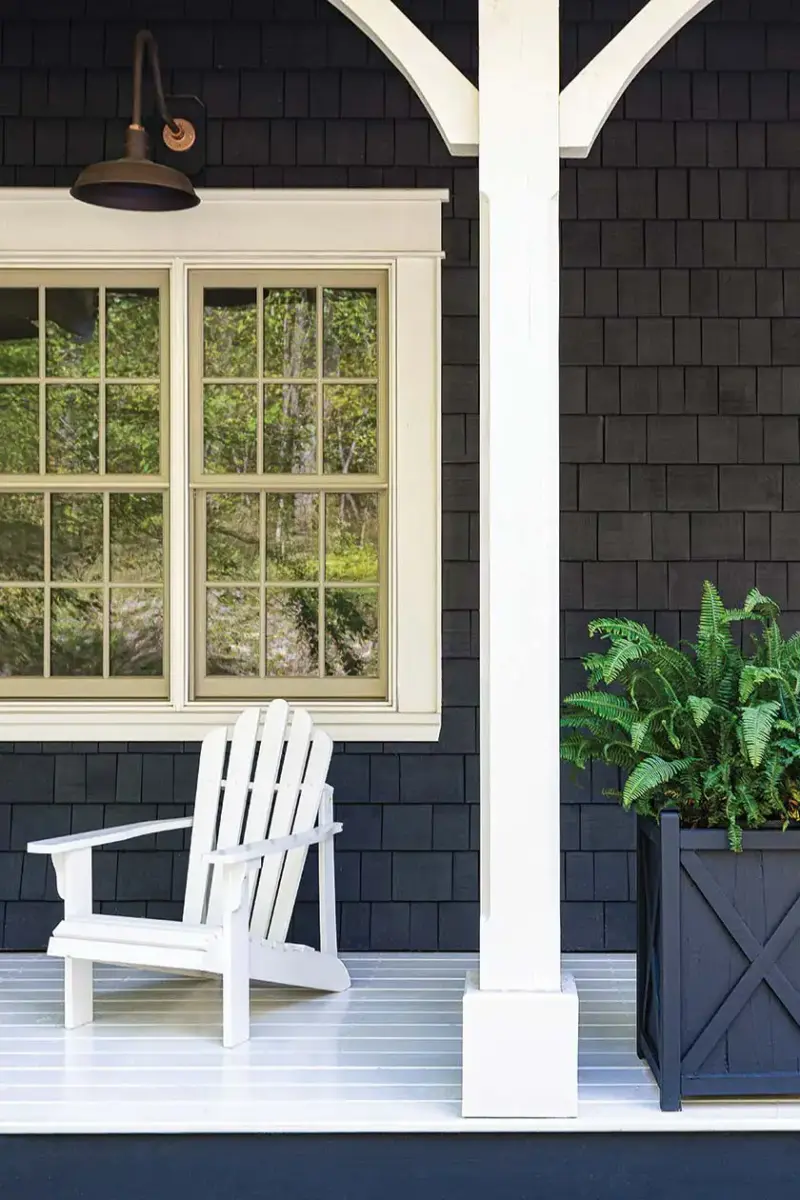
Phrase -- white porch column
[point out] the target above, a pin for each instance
(520, 1016)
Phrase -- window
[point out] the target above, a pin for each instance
(83, 484)
(289, 470)
(219, 464)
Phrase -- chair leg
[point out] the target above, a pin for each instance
(236, 1003)
(78, 992)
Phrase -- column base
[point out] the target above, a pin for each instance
(520, 1052)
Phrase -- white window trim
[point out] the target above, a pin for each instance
(399, 231)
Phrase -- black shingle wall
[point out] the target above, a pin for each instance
(680, 395)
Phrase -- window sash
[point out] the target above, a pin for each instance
(203, 686)
(102, 483)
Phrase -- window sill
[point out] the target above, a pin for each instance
(75, 722)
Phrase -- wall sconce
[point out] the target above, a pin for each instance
(135, 182)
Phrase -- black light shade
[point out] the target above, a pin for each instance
(135, 182)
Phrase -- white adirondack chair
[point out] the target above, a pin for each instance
(249, 843)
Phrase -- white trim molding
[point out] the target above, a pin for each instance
(398, 232)
(587, 102)
(449, 97)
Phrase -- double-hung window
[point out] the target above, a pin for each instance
(219, 475)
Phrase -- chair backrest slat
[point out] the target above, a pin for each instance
(234, 801)
(282, 817)
(262, 797)
(305, 817)
(204, 828)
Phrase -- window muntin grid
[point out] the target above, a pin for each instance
(289, 436)
(83, 484)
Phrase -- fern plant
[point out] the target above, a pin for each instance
(706, 729)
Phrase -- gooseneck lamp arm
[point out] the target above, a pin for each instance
(146, 42)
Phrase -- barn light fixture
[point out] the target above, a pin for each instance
(136, 182)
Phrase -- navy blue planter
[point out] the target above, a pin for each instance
(718, 961)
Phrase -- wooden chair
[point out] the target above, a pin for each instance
(248, 847)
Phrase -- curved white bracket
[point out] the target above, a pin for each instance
(588, 100)
(449, 97)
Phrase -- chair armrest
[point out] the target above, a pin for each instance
(257, 850)
(103, 837)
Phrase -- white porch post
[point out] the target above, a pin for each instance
(520, 1016)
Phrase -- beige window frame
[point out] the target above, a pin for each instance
(203, 685)
(395, 232)
(52, 483)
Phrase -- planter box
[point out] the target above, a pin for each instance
(718, 961)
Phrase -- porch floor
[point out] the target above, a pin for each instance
(383, 1057)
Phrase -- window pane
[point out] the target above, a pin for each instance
(230, 333)
(76, 632)
(21, 536)
(233, 632)
(132, 334)
(292, 631)
(21, 631)
(351, 537)
(72, 429)
(137, 537)
(290, 428)
(350, 328)
(232, 537)
(350, 418)
(230, 423)
(351, 632)
(292, 536)
(72, 345)
(76, 538)
(133, 434)
(19, 430)
(290, 332)
(137, 632)
(19, 333)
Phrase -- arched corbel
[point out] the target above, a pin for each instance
(449, 97)
(589, 99)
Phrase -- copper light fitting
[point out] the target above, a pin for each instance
(134, 181)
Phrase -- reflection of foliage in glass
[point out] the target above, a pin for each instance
(351, 632)
(351, 537)
(137, 632)
(21, 631)
(233, 631)
(19, 430)
(73, 429)
(230, 420)
(76, 632)
(292, 632)
(76, 537)
(137, 536)
(230, 333)
(72, 333)
(350, 333)
(292, 536)
(232, 537)
(350, 441)
(132, 429)
(132, 334)
(19, 333)
(22, 542)
(290, 428)
(290, 332)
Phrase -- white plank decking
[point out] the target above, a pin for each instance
(384, 1056)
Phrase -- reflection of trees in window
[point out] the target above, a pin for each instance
(81, 549)
(292, 394)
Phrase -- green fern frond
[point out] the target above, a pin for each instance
(700, 707)
(606, 705)
(757, 723)
(651, 775)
